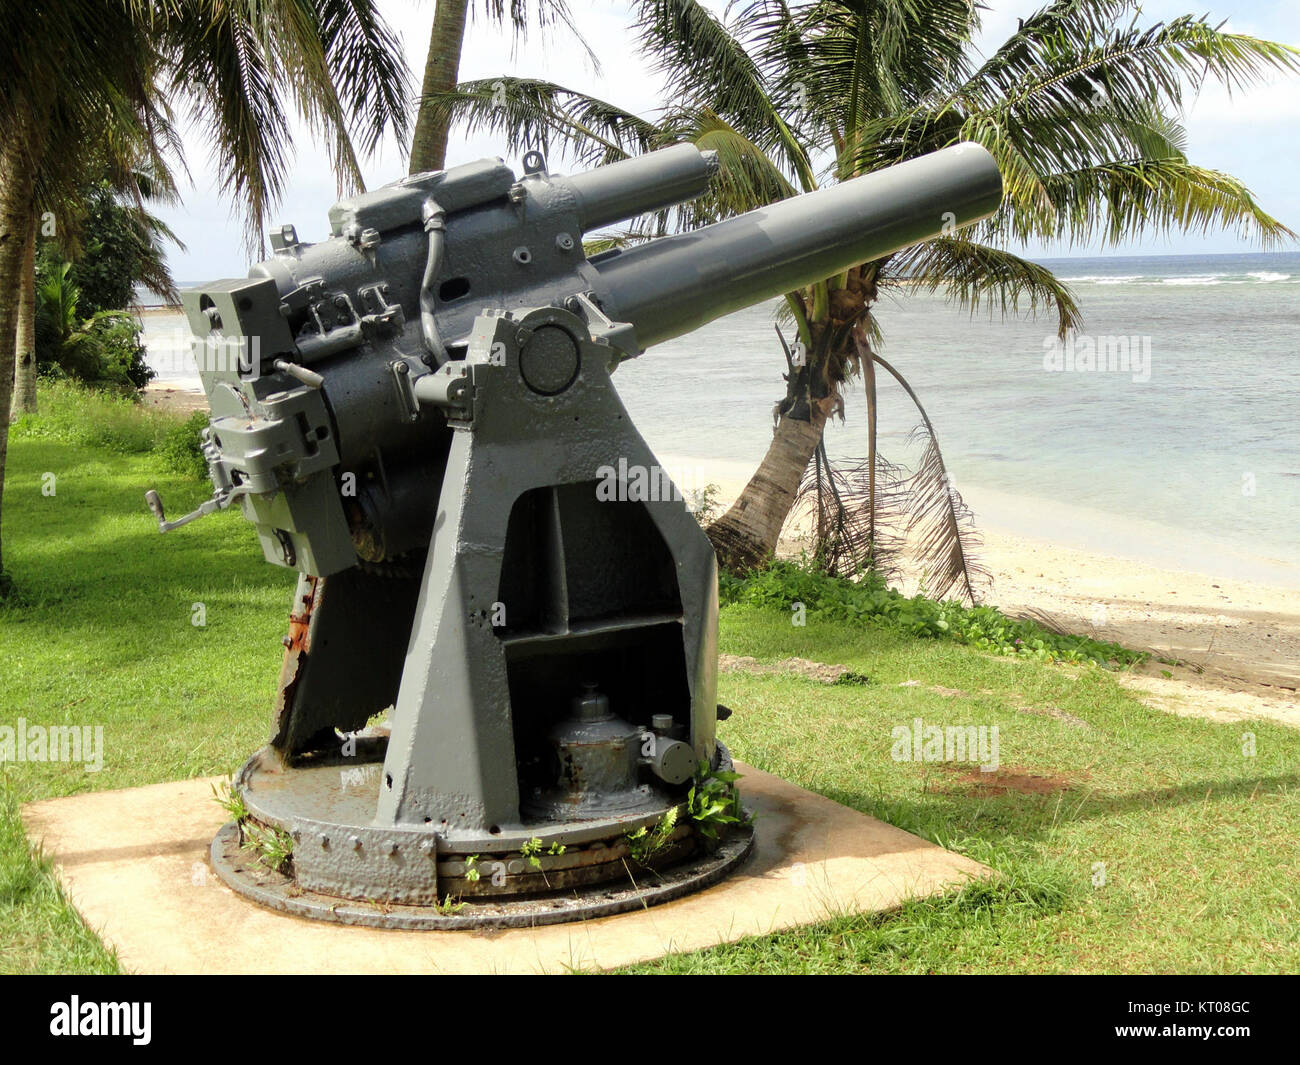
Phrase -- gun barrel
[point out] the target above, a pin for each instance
(670, 286)
(642, 184)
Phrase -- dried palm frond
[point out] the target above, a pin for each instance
(849, 535)
(941, 528)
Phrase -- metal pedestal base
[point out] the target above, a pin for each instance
(639, 888)
(346, 867)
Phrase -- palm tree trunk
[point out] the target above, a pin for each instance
(747, 533)
(441, 72)
(869, 376)
(19, 151)
(25, 367)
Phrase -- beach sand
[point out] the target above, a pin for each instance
(174, 396)
(1239, 640)
(1230, 619)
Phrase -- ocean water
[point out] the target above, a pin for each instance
(1202, 441)
(1195, 435)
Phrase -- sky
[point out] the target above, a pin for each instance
(1252, 135)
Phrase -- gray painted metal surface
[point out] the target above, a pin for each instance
(418, 415)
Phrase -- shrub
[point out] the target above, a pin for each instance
(74, 414)
(103, 348)
(181, 450)
(867, 600)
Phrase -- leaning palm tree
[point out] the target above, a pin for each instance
(73, 67)
(442, 64)
(1079, 109)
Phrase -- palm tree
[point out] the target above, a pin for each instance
(1078, 107)
(24, 388)
(442, 65)
(96, 179)
(103, 347)
(76, 68)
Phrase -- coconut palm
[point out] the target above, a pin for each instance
(442, 65)
(103, 347)
(93, 183)
(72, 68)
(1080, 108)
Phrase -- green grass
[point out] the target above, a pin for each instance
(1199, 842)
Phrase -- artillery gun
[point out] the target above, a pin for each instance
(418, 415)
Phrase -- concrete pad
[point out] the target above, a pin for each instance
(134, 863)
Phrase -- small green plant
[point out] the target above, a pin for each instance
(645, 842)
(230, 801)
(704, 504)
(449, 906)
(532, 850)
(472, 873)
(713, 801)
(181, 450)
(272, 846)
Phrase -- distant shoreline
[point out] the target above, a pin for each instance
(1001, 513)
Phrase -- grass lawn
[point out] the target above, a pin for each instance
(1128, 840)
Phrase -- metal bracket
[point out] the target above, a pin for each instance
(451, 388)
(219, 501)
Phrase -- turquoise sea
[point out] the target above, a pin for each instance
(1204, 446)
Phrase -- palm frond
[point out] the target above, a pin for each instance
(547, 14)
(849, 534)
(976, 277)
(705, 64)
(940, 531)
(1117, 201)
(533, 114)
(363, 61)
(231, 86)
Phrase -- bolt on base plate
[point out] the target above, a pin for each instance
(642, 887)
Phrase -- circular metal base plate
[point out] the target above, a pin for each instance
(642, 887)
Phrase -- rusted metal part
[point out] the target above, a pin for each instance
(637, 889)
(521, 874)
(364, 621)
(296, 646)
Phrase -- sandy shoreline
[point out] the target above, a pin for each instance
(1233, 618)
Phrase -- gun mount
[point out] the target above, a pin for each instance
(417, 414)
